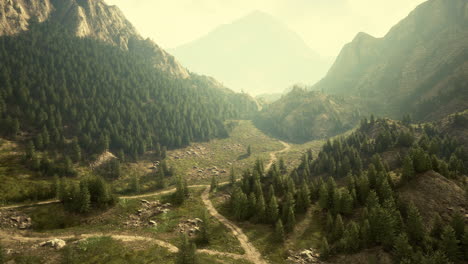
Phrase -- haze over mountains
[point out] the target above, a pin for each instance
(419, 67)
(256, 54)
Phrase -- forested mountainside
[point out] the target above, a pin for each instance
(390, 186)
(419, 66)
(56, 87)
(92, 19)
(302, 115)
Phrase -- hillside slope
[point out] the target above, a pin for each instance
(303, 115)
(421, 65)
(256, 54)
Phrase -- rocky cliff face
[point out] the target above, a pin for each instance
(422, 57)
(87, 18)
(15, 14)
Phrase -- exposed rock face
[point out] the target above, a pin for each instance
(15, 14)
(87, 18)
(422, 56)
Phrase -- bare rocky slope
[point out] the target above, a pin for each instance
(420, 65)
(87, 18)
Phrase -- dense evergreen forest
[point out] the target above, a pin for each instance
(81, 96)
(363, 209)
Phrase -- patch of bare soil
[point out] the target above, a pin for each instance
(432, 193)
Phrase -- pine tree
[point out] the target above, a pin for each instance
(437, 227)
(437, 257)
(346, 204)
(414, 225)
(449, 244)
(76, 150)
(135, 186)
(205, 228)
(84, 198)
(2, 256)
(365, 233)
(323, 197)
(338, 228)
(214, 184)
(272, 212)
(282, 166)
(324, 249)
(232, 177)
(279, 231)
(56, 186)
(260, 209)
(181, 192)
(249, 151)
(291, 220)
(30, 150)
(372, 200)
(186, 254)
(372, 176)
(465, 246)
(329, 224)
(408, 169)
(402, 249)
(351, 237)
(303, 198)
(458, 225)
(252, 205)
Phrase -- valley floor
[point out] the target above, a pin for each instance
(230, 245)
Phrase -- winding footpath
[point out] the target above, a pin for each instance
(251, 253)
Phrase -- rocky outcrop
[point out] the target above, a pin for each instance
(423, 57)
(87, 18)
(15, 15)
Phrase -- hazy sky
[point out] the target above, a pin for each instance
(326, 25)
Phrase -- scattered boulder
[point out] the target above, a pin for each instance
(54, 243)
(190, 226)
(15, 219)
(307, 256)
(143, 215)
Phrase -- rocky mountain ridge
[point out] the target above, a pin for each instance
(87, 18)
(423, 57)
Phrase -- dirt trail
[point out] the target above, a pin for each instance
(251, 253)
(273, 154)
(28, 205)
(300, 228)
(8, 237)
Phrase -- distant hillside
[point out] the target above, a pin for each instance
(420, 66)
(304, 115)
(256, 54)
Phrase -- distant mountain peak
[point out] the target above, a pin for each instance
(362, 36)
(256, 53)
